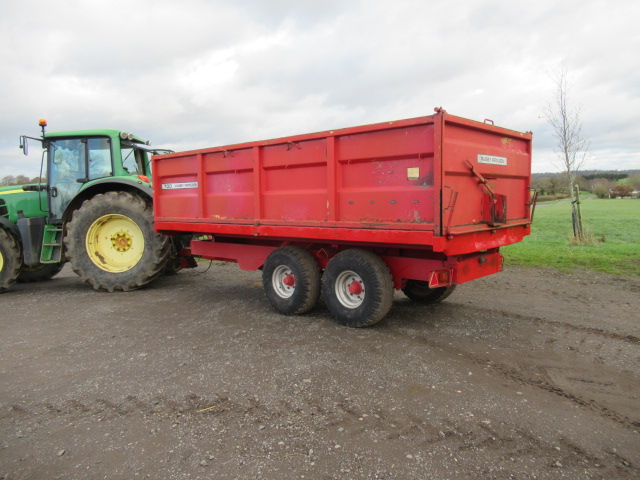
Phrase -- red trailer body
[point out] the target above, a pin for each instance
(434, 197)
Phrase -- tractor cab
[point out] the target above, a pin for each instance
(80, 164)
(77, 161)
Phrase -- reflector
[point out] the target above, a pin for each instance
(440, 278)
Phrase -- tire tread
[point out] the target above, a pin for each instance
(11, 264)
(418, 293)
(310, 275)
(124, 281)
(380, 299)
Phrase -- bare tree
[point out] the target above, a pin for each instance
(22, 180)
(571, 146)
(8, 180)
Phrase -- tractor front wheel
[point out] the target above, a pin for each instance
(10, 259)
(39, 273)
(111, 244)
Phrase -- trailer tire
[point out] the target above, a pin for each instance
(419, 291)
(111, 244)
(291, 280)
(358, 288)
(39, 273)
(10, 259)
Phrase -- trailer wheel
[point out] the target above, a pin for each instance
(39, 273)
(358, 288)
(111, 244)
(291, 280)
(10, 259)
(419, 291)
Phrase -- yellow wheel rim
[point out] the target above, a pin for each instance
(115, 243)
(1, 262)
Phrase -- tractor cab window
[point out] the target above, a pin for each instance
(67, 164)
(67, 160)
(72, 163)
(99, 158)
(134, 161)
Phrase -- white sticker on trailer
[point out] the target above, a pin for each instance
(491, 160)
(177, 186)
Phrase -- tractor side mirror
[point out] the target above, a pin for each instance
(23, 145)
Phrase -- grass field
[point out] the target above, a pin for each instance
(616, 221)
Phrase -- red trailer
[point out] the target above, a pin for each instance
(419, 205)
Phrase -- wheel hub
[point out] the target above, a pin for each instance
(355, 288)
(115, 243)
(121, 241)
(283, 281)
(289, 280)
(350, 289)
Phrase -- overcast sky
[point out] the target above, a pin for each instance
(198, 73)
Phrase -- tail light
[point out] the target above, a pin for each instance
(440, 278)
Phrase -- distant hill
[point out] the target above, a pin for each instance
(587, 172)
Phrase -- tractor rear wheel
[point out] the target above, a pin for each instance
(39, 273)
(10, 259)
(111, 244)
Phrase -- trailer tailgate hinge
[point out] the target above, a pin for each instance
(532, 203)
(495, 204)
(453, 198)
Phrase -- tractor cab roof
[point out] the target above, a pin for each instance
(105, 132)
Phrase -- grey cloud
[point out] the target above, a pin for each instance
(198, 73)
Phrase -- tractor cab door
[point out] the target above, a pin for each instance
(72, 163)
(134, 160)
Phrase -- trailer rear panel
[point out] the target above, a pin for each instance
(441, 183)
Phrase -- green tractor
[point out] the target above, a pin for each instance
(95, 211)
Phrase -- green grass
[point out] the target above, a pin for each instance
(616, 221)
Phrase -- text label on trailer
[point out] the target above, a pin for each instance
(177, 186)
(492, 160)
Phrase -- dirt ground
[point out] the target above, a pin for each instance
(526, 374)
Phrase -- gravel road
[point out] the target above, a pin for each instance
(528, 374)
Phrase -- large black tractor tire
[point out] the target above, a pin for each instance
(358, 288)
(39, 273)
(291, 280)
(176, 261)
(10, 259)
(420, 292)
(111, 244)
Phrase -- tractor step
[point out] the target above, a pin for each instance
(51, 244)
